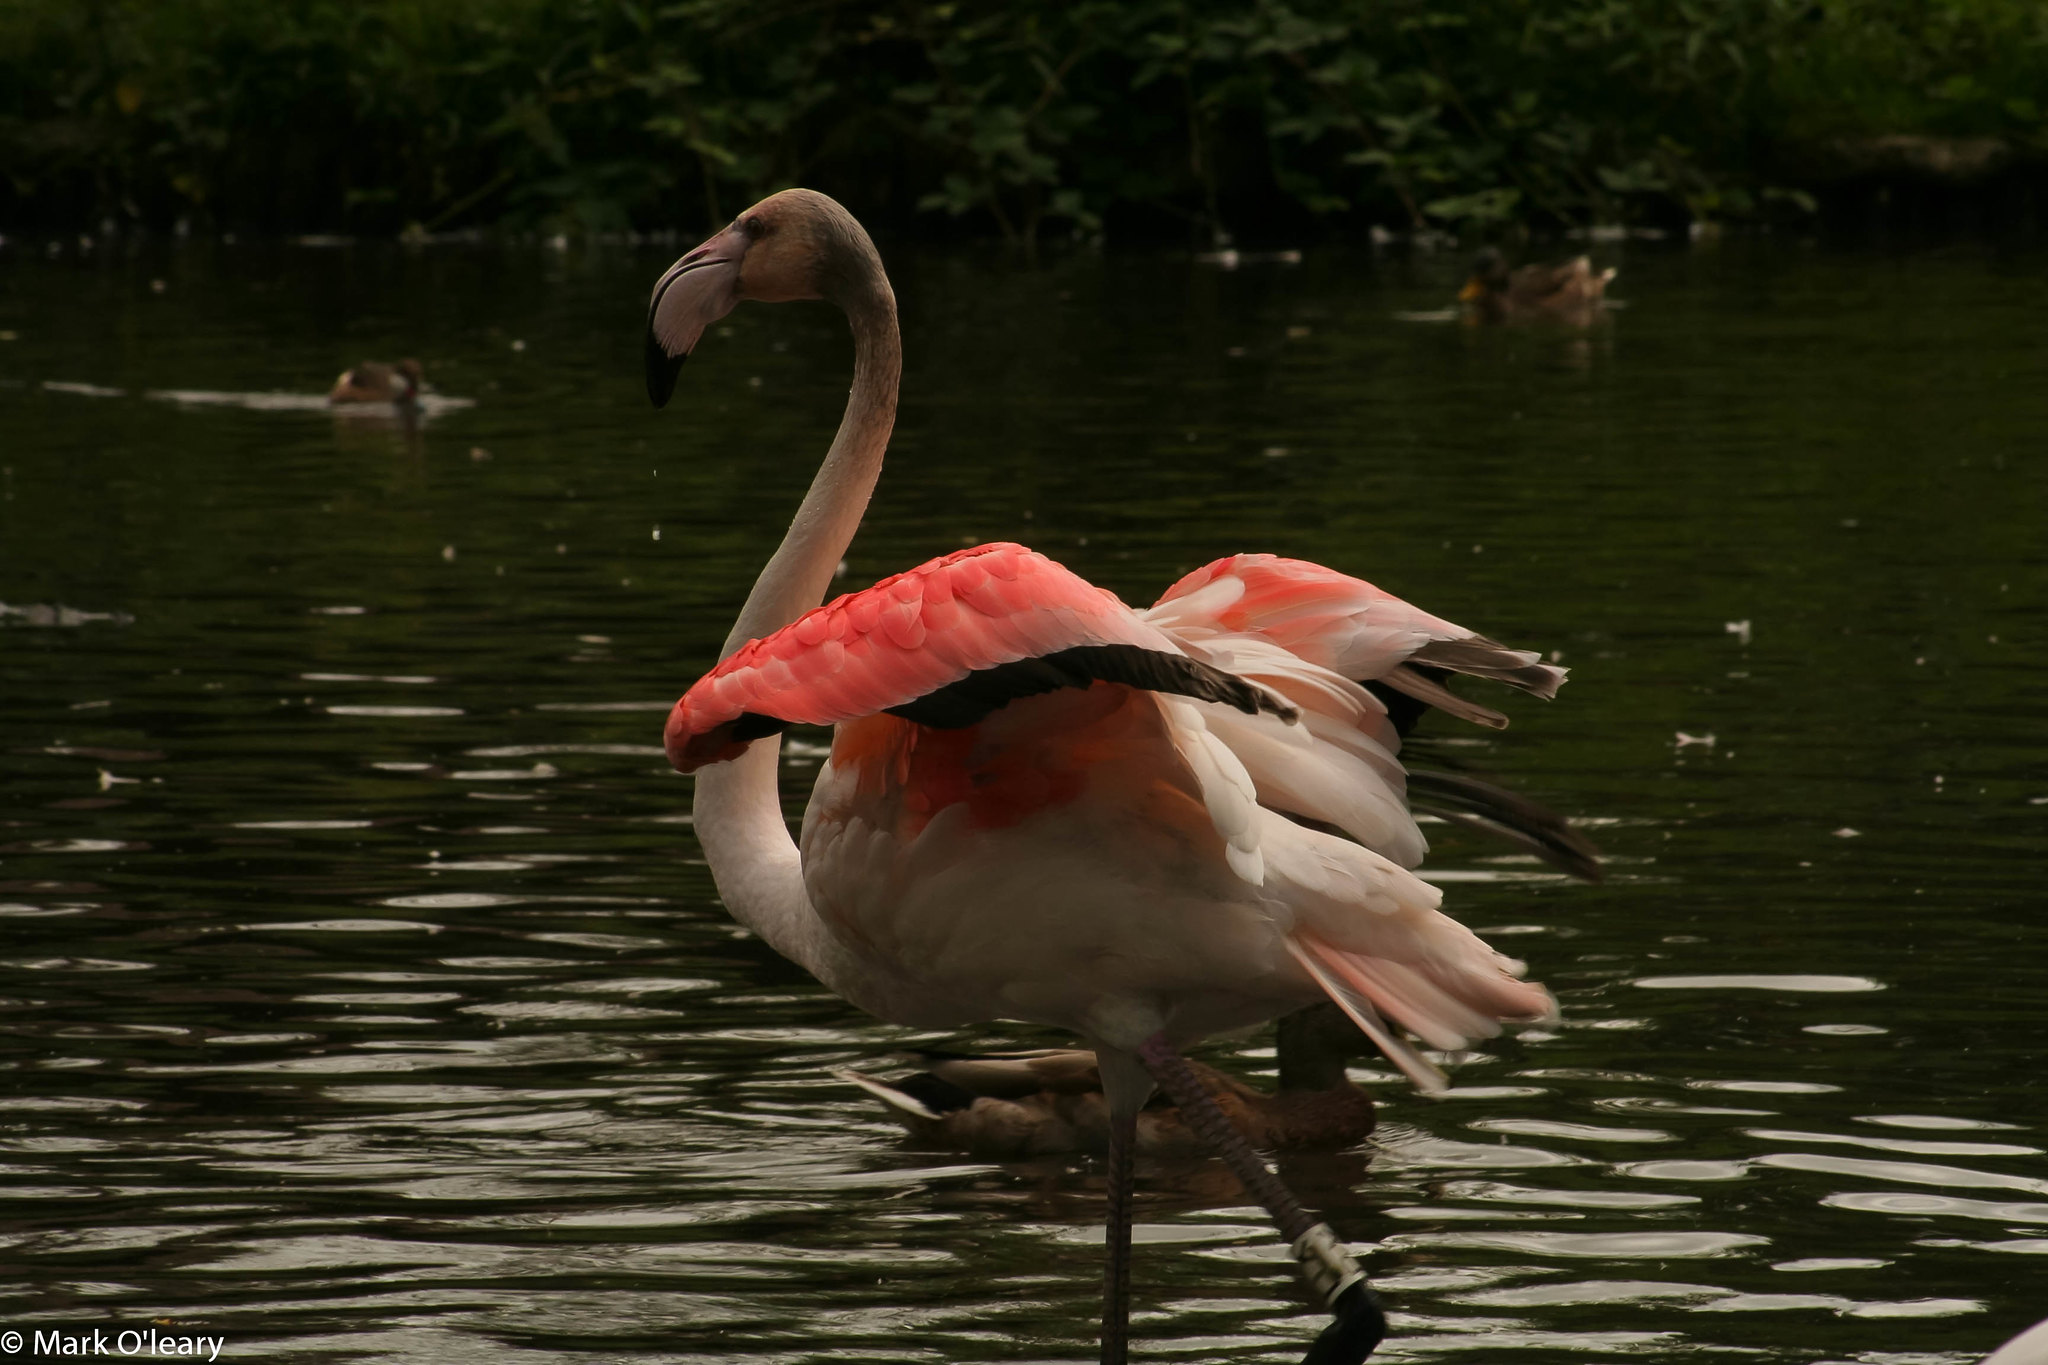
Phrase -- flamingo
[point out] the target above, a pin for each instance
(1042, 805)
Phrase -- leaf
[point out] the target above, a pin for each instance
(1483, 206)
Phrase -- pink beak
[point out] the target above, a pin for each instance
(692, 294)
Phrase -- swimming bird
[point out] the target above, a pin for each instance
(373, 382)
(1003, 1106)
(1042, 805)
(1569, 291)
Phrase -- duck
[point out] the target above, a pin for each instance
(375, 382)
(1048, 1102)
(1568, 291)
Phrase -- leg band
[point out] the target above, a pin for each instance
(1325, 1263)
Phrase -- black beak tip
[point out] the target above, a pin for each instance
(662, 369)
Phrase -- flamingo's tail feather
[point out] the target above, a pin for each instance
(1416, 1067)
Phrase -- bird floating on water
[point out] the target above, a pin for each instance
(1003, 1106)
(1042, 805)
(374, 382)
(1569, 291)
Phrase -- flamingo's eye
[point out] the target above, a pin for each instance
(754, 226)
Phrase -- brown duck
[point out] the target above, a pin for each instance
(1009, 1105)
(373, 382)
(1569, 291)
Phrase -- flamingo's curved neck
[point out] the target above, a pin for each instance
(738, 808)
(802, 566)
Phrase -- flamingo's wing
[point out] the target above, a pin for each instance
(1373, 941)
(942, 645)
(1348, 626)
(1315, 636)
(1337, 766)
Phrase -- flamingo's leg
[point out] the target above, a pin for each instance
(1116, 1267)
(1126, 1086)
(1325, 1264)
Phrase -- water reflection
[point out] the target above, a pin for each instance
(364, 994)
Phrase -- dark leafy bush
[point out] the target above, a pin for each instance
(1024, 115)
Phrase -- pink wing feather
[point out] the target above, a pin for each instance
(1343, 624)
(903, 638)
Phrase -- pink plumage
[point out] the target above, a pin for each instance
(1331, 619)
(903, 638)
(1346, 625)
(1272, 581)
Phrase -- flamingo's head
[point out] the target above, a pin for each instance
(797, 244)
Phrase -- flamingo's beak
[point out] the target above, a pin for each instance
(692, 294)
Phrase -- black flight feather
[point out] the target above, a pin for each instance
(1482, 805)
(970, 700)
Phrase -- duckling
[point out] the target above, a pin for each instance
(372, 382)
(1570, 291)
(1004, 1106)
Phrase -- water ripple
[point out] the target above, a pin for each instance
(1577, 1132)
(1797, 983)
(1610, 1246)
(576, 1114)
(1933, 1205)
(1913, 1173)
(1916, 1146)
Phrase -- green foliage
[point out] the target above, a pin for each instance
(593, 115)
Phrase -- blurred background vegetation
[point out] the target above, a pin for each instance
(1028, 118)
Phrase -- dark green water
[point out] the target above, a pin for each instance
(364, 998)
